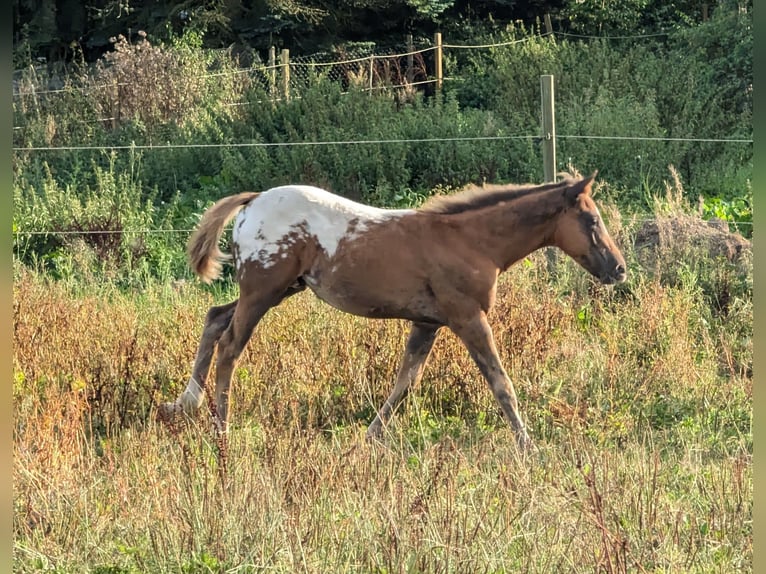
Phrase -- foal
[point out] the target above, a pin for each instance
(435, 266)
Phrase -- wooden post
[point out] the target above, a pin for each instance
(410, 74)
(285, 61)
(272, 71)
(704, 13)
(438, 60)
(548, 25)
(549, 151)
(548, 128)
(116, 105)
(372, 67)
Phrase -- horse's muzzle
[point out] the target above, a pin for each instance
(615, 276)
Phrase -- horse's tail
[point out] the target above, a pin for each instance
(205, 256)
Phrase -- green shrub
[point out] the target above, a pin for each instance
(213, 132)
(108, 229)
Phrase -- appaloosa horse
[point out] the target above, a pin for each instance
(435, 266)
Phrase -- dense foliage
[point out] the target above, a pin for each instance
(162, 128)
(56, 29)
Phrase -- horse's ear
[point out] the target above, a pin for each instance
(579, 187)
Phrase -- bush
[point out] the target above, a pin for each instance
(104, 230)
(640, 91)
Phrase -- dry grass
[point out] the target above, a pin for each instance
(639, 399)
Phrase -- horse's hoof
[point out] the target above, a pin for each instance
(374, 435)
(526, 445)
(168, 413)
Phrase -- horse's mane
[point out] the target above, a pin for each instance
(477, 196)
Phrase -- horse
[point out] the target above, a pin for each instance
(434, 266)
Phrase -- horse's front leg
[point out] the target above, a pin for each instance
(476, 334)
(217, 321)
(419, 345)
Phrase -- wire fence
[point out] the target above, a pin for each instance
(360, 65)
(339, 66)
(129, 232)
(284, 76)
(530, 137)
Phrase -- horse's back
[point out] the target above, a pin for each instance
(284, 217)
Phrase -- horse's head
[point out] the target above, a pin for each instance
(581, 234)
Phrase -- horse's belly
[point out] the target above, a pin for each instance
(375, 302)
(344, 300)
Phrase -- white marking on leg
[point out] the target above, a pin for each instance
(191, 399)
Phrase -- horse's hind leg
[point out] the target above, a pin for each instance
(254, 301)
(476, 334)
(419, 345)
(216, 322)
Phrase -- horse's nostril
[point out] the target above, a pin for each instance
(620, 269)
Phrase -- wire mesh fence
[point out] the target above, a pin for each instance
(417, 66)
(360, 66)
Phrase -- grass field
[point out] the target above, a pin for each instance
(638, 398)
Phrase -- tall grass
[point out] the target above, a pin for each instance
(639, 398)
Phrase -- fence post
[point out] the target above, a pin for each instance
(548, 25)
(549, 151)
(704, 12)
(438, 60)
(272, 71)
(410, 62)
(372, 67)
(285, 61)
(115, 105)
(548, 128)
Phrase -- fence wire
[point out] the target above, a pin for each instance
(533, 137)
(78, 233)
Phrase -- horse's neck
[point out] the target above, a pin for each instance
(510, 231)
